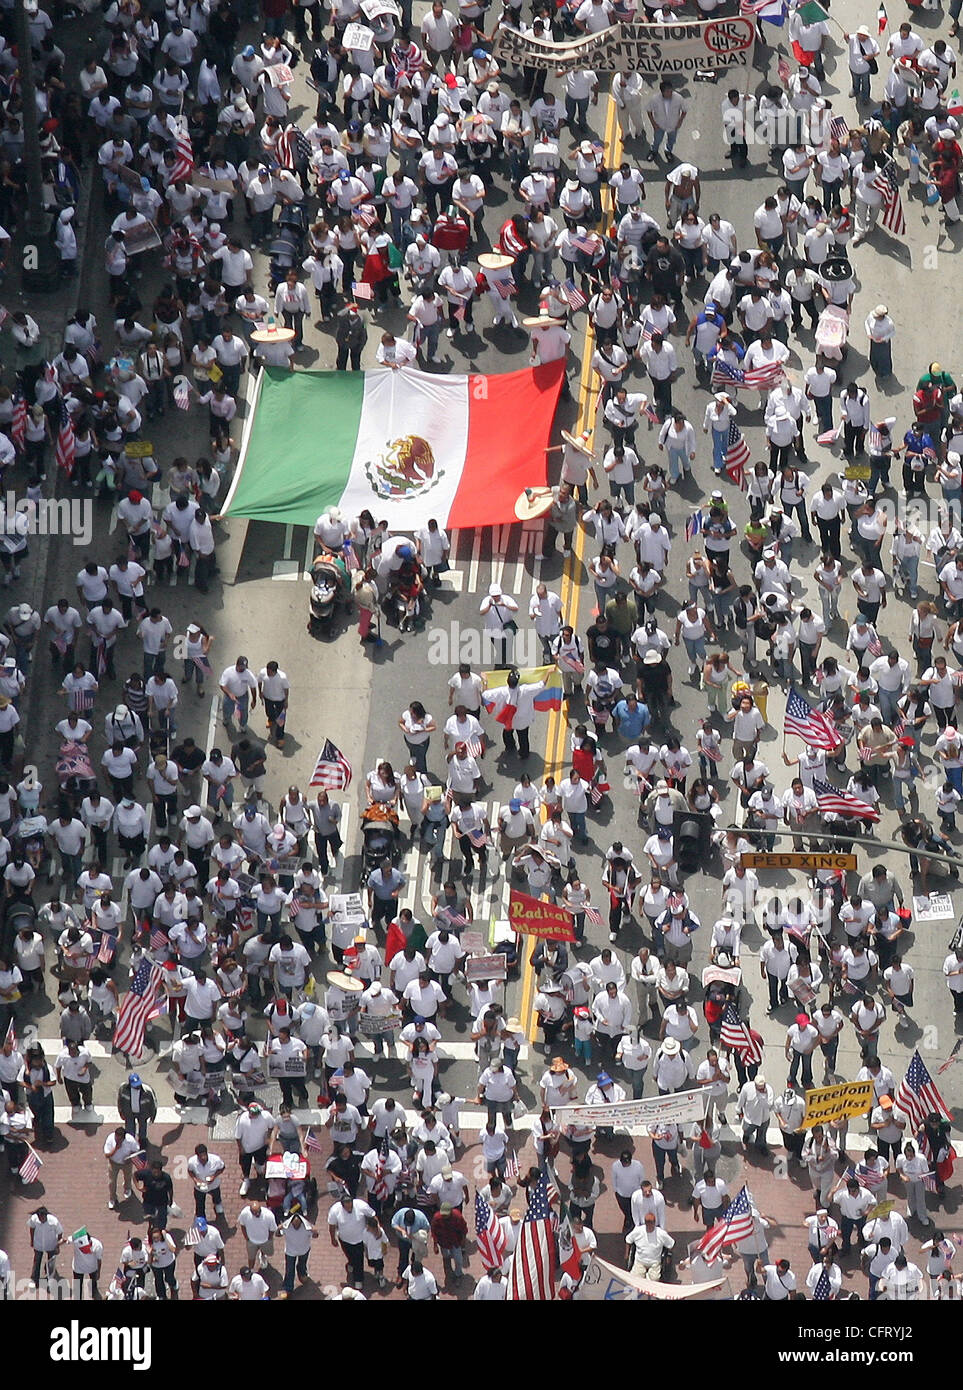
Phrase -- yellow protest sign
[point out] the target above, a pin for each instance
(836, 1102)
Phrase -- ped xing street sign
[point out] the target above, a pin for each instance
(798, 860)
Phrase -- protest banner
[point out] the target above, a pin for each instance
(681, 1108)
(604, 1282)
(532, 917)
(654, 50)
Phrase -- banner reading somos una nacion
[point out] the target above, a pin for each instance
(655, 50)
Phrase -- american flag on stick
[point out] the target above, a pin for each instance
(735, 1225)
(831, 800)
(531, 1276)
(312, 1142)
(183, 154)
(18, 421)
(808, 723)
(158, 939)
(475, 747)
(693, 525)
(736, 1037)
(586, 244)
(489, 1235)
(332, 769)
(893, 218)
(108, 945)
(66, 442)
(182, 395)
(824, 1289)
(193, 1236)
(135, 1009)
(736, 456)
(361, 290)
(838, 129)
(82, 700)
(379, 1186)
(870, 1178)
(573, 296)
(592, 915)
(30, 1167)
(751, 378)
(597, 790)
(511, 1163)
(917, 1095)
(874, 646)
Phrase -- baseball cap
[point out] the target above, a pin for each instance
(135, 1079)
(515, 804)
(248, 52)
(886, 1102)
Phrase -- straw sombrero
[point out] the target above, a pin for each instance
(272, 335)
(533, 502)
(494, 260)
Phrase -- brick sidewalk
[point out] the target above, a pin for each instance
(73, 1187)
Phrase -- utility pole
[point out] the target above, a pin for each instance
(40, 261)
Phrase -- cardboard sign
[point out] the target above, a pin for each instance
(655, 50)
(837, 1102)
(358, 36)
(473, 942)
(143, 237)
(290, 1167)
(936, 907)
(139, 449)
(732, 976)
(374, 9)
(278, 74)
(210, 184)
(370, 1026)
(532, 917)
(286, 1066)
(494, 967)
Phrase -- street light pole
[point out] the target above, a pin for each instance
(39, 258)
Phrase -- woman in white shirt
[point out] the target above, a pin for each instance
(382, 786)
(417, 726)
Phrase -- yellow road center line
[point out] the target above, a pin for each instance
(557, 731)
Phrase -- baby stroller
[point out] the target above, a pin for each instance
(405, 603)
(330, 585)
(285, 253)
(30, 839)
(380, 834)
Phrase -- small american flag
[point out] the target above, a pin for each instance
(943, 1066)
(312, 1142)
(475, 747)
(108, 945)
(158, 939)
(783, 71)
(870, 1178)
(511, 1163)
(139, 1162)
(332, 769)
(651, 414)
(182, 395)
(100, 660)
(917, 1096)
(364, 214)
(828, 436)
(824, 1288)
(193, 1236)
(573, 296)
(838, 129)
(586, 244)
(11, 1034)
(30, 1167)
(875, 440)
(597, 790)
(489, 1235)
(361, 290)
(735, 1224)
(831, 799)
(82, 700)
(592, 915)
(693, 525)
(874, 646)
(66, 442)
(505, 288)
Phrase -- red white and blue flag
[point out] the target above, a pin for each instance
(735, 1224)
(531, 1277)
(489, 1235)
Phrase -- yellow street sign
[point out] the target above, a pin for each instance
(794, 860)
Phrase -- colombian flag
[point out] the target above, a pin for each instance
(548, 699)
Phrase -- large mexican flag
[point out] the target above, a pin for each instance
(406, 444)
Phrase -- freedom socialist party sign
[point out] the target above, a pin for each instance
(532, 917)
